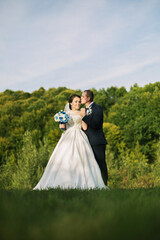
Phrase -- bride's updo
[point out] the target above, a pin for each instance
(71, 99)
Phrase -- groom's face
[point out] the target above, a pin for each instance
(84, 98)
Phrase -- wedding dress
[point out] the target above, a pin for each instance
(72, 163)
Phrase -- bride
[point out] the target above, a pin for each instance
(72, 163)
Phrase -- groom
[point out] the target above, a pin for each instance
(94, 132)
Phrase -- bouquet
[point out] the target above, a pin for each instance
(61, 117)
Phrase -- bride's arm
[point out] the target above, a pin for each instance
(84, 125)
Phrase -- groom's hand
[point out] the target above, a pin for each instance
(83, 112)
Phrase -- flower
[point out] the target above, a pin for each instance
(61, 117)
(89, 111)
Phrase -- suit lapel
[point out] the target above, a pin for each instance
(93, 105)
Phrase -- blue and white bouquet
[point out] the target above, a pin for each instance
(61, 117)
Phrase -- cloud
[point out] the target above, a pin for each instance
(80, 43)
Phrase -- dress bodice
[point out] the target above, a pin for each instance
(74, 121)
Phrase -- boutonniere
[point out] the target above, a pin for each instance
(89, 111)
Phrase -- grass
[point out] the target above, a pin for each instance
(74, 214)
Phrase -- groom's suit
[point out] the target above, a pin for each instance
(96, 137)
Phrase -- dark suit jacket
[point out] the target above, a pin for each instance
(94, 121)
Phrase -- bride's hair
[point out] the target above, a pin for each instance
(71, 99)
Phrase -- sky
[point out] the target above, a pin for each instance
(79, 44)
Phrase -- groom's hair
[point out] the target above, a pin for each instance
(89, 94)
(71, 99)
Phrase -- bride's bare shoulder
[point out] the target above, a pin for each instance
(68, 112)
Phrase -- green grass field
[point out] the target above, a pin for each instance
(74, 214)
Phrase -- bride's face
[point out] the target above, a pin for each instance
(76, 103)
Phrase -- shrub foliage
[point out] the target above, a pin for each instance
(28, 134)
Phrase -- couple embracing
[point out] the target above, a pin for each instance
(78, 160)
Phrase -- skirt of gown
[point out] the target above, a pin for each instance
(72, 164)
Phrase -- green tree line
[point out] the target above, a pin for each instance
(28, 133)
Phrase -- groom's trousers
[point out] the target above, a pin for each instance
(99, 153)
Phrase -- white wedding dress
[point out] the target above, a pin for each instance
(72, 163)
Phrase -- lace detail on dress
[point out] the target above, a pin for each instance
(74, 121)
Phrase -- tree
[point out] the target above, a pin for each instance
(137, 115)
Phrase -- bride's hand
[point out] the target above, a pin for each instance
(62, 126)
(83, 112)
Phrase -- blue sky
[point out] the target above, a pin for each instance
(78, 44)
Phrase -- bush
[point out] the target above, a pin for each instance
(7, 170)
(155, 173)
(130, 170)
(30, 164)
